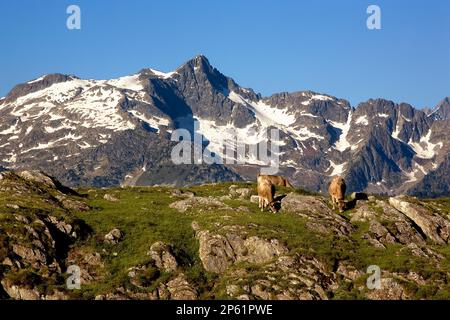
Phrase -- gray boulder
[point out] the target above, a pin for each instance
(434, 226)
(114, 236)
(163, 257)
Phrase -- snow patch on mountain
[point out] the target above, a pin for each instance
(14, 129)
(337, 169)
(84, 145)
(64, 125)
(306, 114)
(304, 134)
(164, 75)
(313, 97)
(98, 107)
(225, 138)
(362, 120)
(237, 98)
(279, 116)
(36, 80)
(127, 82)
(11, 159)
(154, 122)
(56, 93)
(321, 97)
(406, 119)
(356, 145)
(397, 131)
(70, 136)
(228, 133)
(343, 144)
(416, 173)
(266, 114)
(425, 149)
(95, 101)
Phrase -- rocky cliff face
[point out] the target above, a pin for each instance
(113, 132)
(212, 241)
(36, 231)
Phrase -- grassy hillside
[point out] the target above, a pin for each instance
(331, 251)
(143, 214)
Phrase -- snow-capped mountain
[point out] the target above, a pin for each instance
(111, 132)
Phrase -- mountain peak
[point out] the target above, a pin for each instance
(199, 61)
(442, 110)
(200, 58)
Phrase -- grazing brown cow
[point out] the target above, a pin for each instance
(266, 194)
(277, 180)
(337, 192)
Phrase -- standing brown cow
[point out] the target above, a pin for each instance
(266, 194)
(337, 192)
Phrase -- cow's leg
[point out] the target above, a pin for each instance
(333, 201)
(266, 202)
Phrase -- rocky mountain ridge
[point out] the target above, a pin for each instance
(117, 132)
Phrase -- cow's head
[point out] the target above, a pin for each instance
(275, 206)
(341, 205)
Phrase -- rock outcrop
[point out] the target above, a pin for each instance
(34, 243)
(163, 256)
(206, 203)
(114, 236)
(434, 226)
(320, 217)
(218, 251)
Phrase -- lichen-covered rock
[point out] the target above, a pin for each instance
(390, 290)
(254, 199)
(90, 263)
(180, 289)
(260, 251)
(208, 203)
(114, 236)
(434, 226)
(38, 177)
(20, 291)
(387, 225)
(242, 193)
(109, 197)
(217, 252)
(296, 277)
(322, 218)
(163, 257)
(72, 204)
(36, 234)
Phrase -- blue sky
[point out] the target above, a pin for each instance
(271, 46)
